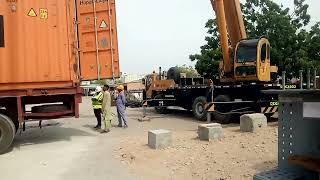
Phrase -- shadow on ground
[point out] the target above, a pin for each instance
(265, 166)
(34, 135)
(170, 113)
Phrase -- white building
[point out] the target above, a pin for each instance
(126, 78)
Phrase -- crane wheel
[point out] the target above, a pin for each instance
(7, 133)
(222, 108)
(270, 116)
(198, 108)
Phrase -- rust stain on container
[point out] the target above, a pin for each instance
(39, 43)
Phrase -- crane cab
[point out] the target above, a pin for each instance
(252, 61)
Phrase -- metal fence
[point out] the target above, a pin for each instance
(311, 81)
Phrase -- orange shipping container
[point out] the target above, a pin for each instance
(56, 43)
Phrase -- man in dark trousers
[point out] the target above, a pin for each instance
(121, 107)
(97, 106)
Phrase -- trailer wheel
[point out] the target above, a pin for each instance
(221, 108)
(198, 108)
(12, 116)
(269, 116)
(160, 110)
(7, 132)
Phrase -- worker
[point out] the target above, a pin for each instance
(97, 105)
(121, 107)
(106, 109)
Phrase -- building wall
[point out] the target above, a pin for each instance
(135, 86)
(126, 78)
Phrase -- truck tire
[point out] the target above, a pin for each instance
(160, 110)
(221, 108)
(12, 116)
(269, 116)
(7, 133)
(198, 108)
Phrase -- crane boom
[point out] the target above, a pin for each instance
(234, 19)
(218, 7)
(231, 28)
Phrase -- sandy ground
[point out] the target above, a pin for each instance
(71, 149)
(237, 156)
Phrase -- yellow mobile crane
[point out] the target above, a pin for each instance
(243, 59)
(245, 72)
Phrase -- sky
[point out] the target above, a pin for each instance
(164, 33)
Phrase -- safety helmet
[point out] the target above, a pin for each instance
(98, 89)
(121, 87)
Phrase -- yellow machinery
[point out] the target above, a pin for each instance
(245, 72)
(243, 59)
(153, 83)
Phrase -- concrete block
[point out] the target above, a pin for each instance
(210, 131)
(253, 122)
(158, 139)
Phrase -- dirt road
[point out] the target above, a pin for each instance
(71, 149)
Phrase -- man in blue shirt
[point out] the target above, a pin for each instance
(121, 107)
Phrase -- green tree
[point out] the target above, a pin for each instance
(208, 61)
(293, 46)
(190, 71)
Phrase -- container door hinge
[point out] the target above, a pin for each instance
(76, 22)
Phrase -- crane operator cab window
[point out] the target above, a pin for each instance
(247, 51)
(1, 31)
(264, 53)
(247, 56)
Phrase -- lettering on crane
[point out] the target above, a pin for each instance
(289, 86)
(89, 2)
(32, 13)
(43, 13)
(274, 103)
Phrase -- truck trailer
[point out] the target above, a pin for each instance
(46, 49)
(202, 96)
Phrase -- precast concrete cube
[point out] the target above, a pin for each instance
(253, 122)
(160, 138)
(209, 132)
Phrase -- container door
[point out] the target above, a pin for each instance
(98, 42)
(34, 44)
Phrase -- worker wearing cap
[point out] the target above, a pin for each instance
(106, 109)
(97, 105)
(121, 107)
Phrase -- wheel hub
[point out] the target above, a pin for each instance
(200, 108)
